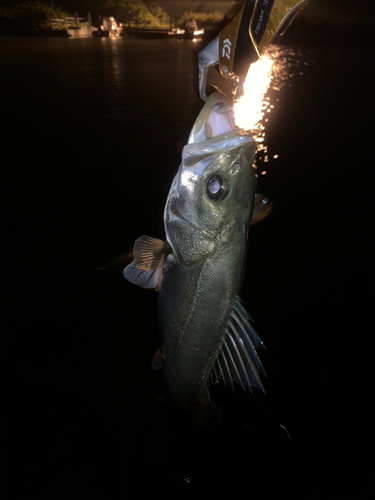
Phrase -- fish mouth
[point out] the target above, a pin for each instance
(213, 132)
(216, 119)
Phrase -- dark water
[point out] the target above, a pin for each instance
(92, 136)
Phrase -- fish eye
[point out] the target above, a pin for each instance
(215, 187)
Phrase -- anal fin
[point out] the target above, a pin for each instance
(157, 359)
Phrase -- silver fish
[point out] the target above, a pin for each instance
(204, 327)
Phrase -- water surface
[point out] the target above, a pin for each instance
(92, 136)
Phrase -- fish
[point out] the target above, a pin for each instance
(206, 333)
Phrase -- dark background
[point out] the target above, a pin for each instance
(91, 138)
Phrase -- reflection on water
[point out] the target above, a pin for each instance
(115, 78)
(103, 99)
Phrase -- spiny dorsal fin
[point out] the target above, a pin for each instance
(238, 359)
(147, 266)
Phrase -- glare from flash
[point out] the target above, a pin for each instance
(251, 106)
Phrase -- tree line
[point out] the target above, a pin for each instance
(130, 12)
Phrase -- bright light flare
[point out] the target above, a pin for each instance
(251, 106)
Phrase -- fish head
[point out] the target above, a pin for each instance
(212, 195)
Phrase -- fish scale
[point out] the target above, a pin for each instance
(203, 305)
(198, 270)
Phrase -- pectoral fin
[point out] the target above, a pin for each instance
(147, 266)
(262, 208)
(238, 359)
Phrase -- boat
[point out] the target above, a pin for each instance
(109, 28)
(190, 32)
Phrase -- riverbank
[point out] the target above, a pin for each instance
(84, 31)
(174, 33)
(60, 28)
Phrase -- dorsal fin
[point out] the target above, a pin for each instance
(147, 266)
(238, 359)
